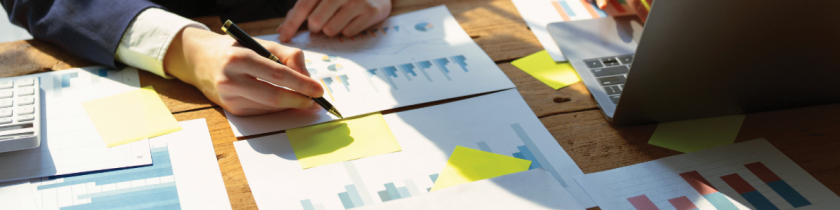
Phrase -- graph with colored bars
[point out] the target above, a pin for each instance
(62, 81)
(720, 201)
(356, 194)
(145, 187)
(584, 9)
(382, 31)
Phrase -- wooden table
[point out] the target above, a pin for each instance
(809, 135)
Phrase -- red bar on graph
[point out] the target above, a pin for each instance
(698, 182)
(682, 203)
(642, 202)
(763, 173)
(739, 184)
(560, 10)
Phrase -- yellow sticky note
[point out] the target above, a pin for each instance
(343, 140)
(130, 116)
(692, 135)
(540, 65)
(467, 165)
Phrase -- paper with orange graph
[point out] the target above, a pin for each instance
(467, 165)
(343, 140)
(130, 116)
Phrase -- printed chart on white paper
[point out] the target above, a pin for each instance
(409, 59)
(427, 137)
(184, 175)
(746, 175)
(69, 140)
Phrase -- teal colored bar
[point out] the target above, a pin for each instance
(528, 156)
(404, 192)
(412, 188)
(345, 199)
(483, 146)
(126, 190)
(535, 151)
(719, 201)
(358, 183)
(307, 204)
(384, 196)
(354, 195)
(567, 8)
(434, 177)
(392, 191)
(759, 201)
(789, 194)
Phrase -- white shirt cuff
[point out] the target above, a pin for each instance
(146, 40)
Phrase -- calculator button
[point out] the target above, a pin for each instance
(26, 91)
(7, 112)
(25, 118)
(6, 84)
(25, 82)
(26, 110)
(6, 93)
(8, 102)
(5, 120)
(20, 101)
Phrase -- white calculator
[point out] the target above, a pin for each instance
(20, 113)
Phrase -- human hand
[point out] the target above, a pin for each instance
(334, 17)
(227, 73)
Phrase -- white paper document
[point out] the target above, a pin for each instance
(532, 189)
(69, 140)
(539, 13)
(409, 59)
(499, 122)
(746, 175)
(184, 175)
(17, 195)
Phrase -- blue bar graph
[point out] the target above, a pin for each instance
(390, 71)
(535, 153)
(62, 81)
(759, 201)
(327, 82)
(397, 28)
(567, 8)
(789, 194)
(720, 201)
(103, 72)
(307, 204)
(392, 191)
(344, 80)
(484, 147)
(345, 200)
(461, 60)
(742, 187)
(423, 66)
(407, 70)
(371, 74)
(525, 153)
(152, 196)
(433, 177)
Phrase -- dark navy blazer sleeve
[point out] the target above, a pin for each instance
(90, 29)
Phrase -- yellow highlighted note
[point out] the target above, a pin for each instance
(468, 165)
(130, 116)
(343, 140)
(540, 65)
(692, 135)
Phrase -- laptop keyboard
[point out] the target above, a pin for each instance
(611, 73)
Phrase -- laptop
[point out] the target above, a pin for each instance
(704, 58)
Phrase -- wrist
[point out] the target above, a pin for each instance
(185, 52)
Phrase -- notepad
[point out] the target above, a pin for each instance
(342, 140)
(130, 116)
(467, 165)
(692, 135)
(541, 66)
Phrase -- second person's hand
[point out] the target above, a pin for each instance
(333, 17)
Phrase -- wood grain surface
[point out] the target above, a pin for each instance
(808, 135)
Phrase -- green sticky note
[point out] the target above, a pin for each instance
(467, 165)
(692, 135)
(342, 140)
(540, 65)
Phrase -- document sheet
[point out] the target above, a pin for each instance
(409, 59)
(70, 142)
(746, 175)
(428, 136)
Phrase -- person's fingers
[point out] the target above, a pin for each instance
(322, 13)
(339, 21)
(294, 18)
(241, 106)
(357, 25)
(290, 56)
(247, 62)
(272, 96)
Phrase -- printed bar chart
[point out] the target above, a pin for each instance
(64, 80)
(748, 192)
(408, 70)
(344, 80)
(777, 184)
(718, 200)
(683, 203)
(423, 66)
(462, 61)
(642, 202)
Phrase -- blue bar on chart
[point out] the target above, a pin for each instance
(344, 80)
(642, 202)
(525, 153)
(390, 72)
(308, 205)
(567, 8)
(327, 82)
(683, 203)
(777, 184)
(371, 74)
(61, 81)
(749, 192)
(461, 60)
(153, 196)
(536, 153)
(94, 77)
(408, 71)
(702, 186)
(441, 62)
(484, 147)
(434, 179)
(423, 66)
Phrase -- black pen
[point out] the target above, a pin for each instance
(245, 40)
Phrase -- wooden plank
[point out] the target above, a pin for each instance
(223, 138)
(544, 100)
